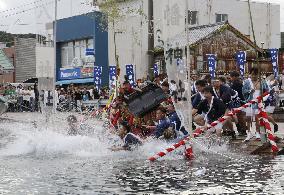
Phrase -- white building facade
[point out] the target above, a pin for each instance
(169, 20)
(131, 40)
(265, 16)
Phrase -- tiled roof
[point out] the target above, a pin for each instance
(5, 63)
(200, 33)
(196, 34)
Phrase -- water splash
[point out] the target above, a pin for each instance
(35, 136)
(38, 138)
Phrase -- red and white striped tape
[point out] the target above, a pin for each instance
(170, 149)
(263, 120)
(199, 131)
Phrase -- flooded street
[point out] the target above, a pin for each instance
(43, 160)
(141, 97)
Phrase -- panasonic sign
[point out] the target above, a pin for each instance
(70, 74)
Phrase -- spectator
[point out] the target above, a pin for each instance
(78, 98)
(36, 92)
(32, 99)
(20, 98)
(86, 96)
(26, 98)
(62, 95)
(96, 94)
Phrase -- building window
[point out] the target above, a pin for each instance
(193, 17)
(75, 49)
(67, 54)
(90, 43)
(221, 17)
(80, 48)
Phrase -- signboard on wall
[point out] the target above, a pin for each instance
(87, 72)
(90, 52)
(77, 62)
(90, 60)
(74, 73)
(90, 57)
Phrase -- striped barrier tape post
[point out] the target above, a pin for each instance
(263, 120)
(199, 131)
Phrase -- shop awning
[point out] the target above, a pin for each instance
(75, 81)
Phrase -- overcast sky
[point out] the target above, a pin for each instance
(24, 16)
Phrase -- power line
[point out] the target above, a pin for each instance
(27, 10)
(21, 6)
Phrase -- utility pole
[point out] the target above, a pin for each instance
(150, 37)
(188, 65)
(254, 39)
(116, 59)
(54, 45)
(262, 131)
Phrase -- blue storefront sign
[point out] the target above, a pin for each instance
(74, 73)
(90, 52)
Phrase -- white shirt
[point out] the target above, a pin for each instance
(26, 95)
(46, 97)
(32, 93)
(173, 87)
(19, 92)
(61, 97)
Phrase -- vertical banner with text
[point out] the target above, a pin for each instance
(274, 60)
(212, 62)
(98, 76)
(241, 61)
(112, 77)
(130, 74)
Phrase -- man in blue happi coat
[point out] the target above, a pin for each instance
(163, 123)
(130, 140)
(175, 121)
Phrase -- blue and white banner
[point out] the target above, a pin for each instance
(112, 76)
(241, 61)
(274, 60)
(156, 70)
(130, 74)
(212, 63)
(90, 52)
(98, 76)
